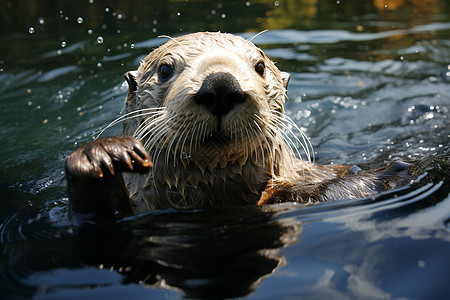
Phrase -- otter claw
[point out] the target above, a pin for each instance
(108, 156)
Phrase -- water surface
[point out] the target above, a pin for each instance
(369, 84)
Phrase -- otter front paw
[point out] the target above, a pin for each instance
(110, 155)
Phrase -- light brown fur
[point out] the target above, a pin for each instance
(197, 161)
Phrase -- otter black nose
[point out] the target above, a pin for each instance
(220, 93)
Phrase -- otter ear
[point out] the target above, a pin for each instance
(285, 76)
(130, 77)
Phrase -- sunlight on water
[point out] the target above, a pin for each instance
(369, 84)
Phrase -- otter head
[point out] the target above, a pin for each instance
(210, 102)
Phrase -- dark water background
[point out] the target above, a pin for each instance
(370, 83)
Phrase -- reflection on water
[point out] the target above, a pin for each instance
(369, 84)
(177, 250)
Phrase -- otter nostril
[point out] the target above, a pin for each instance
(220, 93)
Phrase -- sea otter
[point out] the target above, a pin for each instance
(205, 126)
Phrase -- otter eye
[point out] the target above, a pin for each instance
(165, 72)
(260, 68)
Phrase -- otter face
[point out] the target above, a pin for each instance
(208, 98)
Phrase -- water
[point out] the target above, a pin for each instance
(369, 84)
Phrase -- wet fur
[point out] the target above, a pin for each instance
(197, 161)
(247, 156)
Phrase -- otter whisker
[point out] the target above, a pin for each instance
(285, 136)
(178, 137)
(182, 150)
(259, 33)
(245, 137)
(170, 38)
(203, 134)
(148, 123)
(172, 141)
(271, 137)
(263, 138)
(128, 116)
(153, 135)
(190, 133)
(149, 131)
(194, 132)
(306, 145)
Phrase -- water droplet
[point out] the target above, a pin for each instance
(90, 31)
(31, 30)
(247, 3)
(41, 21)
(276, 3)
(63, 44)
(80, 20)
(119, 16)
(178, 13)
(223, 16)
(99, 65)
(132, 46)
(100, 40)
(107, 9)
(421, 264)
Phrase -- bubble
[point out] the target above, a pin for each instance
(107, 9)
(99, 65)
(80, 20)
(100, 40)
(63, 44)
(41, 21)
(132, 46)
(31, 30)
(178, 13)
(90, 31)
(247, 3)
